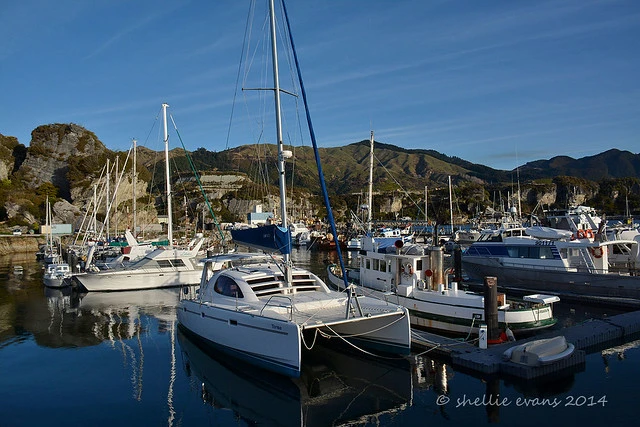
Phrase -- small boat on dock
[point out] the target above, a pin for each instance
(539, 352)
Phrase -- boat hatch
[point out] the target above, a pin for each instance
(270, 285)
(541, 298)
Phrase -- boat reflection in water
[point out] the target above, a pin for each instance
(335, 387)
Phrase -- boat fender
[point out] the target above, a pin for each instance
(597, 252)
(509, 334)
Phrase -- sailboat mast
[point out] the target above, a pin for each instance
(134, 180)
(95, 210)
(451, 205)
(370, 199)
(115, 195)
(168, 178)
(281, 155)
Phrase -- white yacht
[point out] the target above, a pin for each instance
(162, 268)
(269, 313)
(256, 314)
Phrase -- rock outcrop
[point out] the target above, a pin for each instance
(50, 150)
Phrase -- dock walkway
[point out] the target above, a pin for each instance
(587, 337)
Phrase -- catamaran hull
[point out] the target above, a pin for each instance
(132, 280)
(277, 345)
(553, 281)
(270, 343)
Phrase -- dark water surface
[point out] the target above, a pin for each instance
(120, 359)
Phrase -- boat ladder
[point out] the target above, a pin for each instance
(588, 261)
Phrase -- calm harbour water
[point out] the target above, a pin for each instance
(120, 359)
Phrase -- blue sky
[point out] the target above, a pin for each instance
(499, 83)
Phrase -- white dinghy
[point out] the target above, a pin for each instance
(539, 352)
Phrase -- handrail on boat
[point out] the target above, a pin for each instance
(289, 307)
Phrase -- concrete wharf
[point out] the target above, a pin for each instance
(587, 337)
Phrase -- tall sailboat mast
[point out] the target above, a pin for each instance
(107, 208)
(451, 205)
(281, 152)
(168, 178)
(370, 197)
(134, 180)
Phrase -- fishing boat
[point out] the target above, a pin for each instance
(268, 313)
(56, 275)
(559, 262)
(413, 276)
(57, 272)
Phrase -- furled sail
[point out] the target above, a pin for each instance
(268, 238)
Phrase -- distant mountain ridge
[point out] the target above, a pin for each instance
(612, 163)
(346, 168)
(65, 161)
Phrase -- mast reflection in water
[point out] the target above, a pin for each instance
(119, 359)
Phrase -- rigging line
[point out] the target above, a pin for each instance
(197, 176)
(323, 185)
(336, 335)
(398, 183)
(155, 121)
(235, 92)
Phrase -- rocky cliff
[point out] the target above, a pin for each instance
(51, 148)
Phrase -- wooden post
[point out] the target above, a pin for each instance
(457, 264)
(491, 309)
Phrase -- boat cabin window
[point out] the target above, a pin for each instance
(383, 266)
(535, 252)
(228, 287)
(168, 263)
(367, 264)
(376, 264)
(178, 262)
(493, 237)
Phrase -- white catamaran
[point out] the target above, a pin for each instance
(268, 313)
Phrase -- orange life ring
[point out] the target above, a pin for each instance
(589, 233)
(597, 252)
(581, 234)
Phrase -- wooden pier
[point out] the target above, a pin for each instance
(587, 337)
